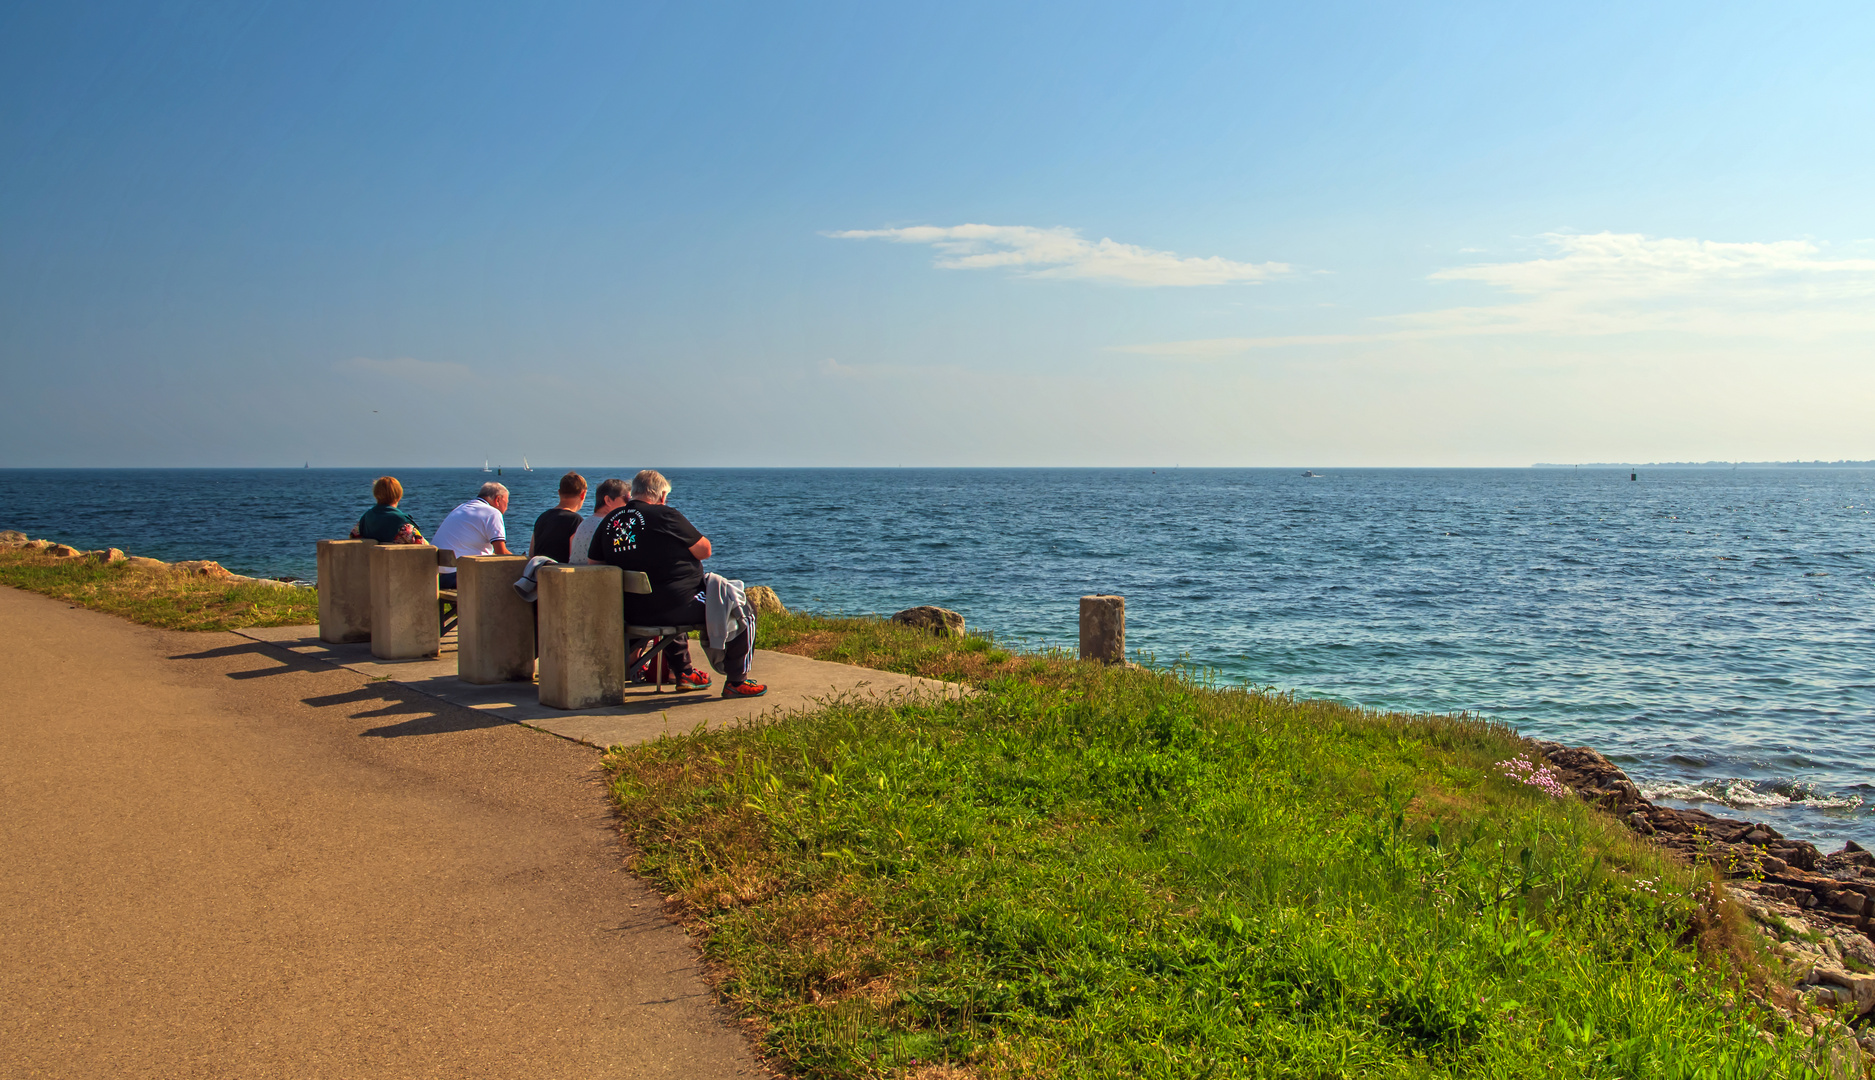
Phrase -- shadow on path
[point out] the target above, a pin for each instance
(287, 660)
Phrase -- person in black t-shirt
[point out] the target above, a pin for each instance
(553, 530)
(648, 535)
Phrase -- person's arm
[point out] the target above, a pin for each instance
(500, 539)
(676, 526)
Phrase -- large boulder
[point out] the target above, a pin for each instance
(107, 555)
(62, 551)
(940, 621)
(138, 562)
(12, 536)
(205, 568)
(764, 601)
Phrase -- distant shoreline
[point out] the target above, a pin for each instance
(1845, 464)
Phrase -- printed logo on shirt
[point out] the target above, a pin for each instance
(625, 531)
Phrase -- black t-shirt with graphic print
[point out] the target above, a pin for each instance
(657, 540)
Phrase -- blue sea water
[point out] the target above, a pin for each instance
(1712, 631)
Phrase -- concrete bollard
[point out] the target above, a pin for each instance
(404, 625)
(1103, 629)
(582, 636)
(494, 626)
(345, 590)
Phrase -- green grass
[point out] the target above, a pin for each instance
(167, 598)
(877, 643)
(1086, 872)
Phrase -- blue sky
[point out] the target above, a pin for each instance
(954, 234)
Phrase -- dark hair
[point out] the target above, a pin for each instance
(572, 484)
(611, 489)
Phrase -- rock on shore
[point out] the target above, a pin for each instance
(1820, 907)
(12, 539)
(940, 621)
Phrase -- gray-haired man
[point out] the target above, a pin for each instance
(649, 535)
(474, 528)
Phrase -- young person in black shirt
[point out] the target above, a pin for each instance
(647, 535)
(553, 530)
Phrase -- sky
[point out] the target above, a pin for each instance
(950, 234)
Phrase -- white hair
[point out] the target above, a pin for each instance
(492, 491)
(650, 482)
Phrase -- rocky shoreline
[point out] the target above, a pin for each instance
(12, 540)
(1817, 908)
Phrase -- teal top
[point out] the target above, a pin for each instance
(386, 525)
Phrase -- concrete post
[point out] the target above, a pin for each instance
(494, 626)
(1103, 629)
(345, 590)
(404, 625)
(582, 636)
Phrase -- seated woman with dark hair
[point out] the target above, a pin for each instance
(384, 522)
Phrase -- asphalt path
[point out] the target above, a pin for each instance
(218, 859)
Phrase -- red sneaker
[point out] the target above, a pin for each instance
(745, 689)
(693, 680)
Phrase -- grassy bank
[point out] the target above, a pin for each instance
(1086, 872)
(171, 598)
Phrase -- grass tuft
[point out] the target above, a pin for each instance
(163, 597)
(974, 659)
(1089, 872)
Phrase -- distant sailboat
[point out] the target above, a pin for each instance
(485, 467)
(525, 467)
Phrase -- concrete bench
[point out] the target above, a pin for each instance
(495, 627)
(658, 640)
(582, 636)
(345, 590)
(406, 604)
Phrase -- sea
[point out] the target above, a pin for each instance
(1711, 630)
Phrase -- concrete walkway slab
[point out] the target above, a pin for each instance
(223, 860)
(794, 683)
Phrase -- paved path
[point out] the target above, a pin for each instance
(794, 682)
(218, 859)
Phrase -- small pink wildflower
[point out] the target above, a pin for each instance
(1541, 777)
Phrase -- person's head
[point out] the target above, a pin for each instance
(495, 495)
(650, 486)
(612, 494)
(573, 488)
(387, 491)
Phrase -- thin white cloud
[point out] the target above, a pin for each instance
(1065, 253)
(1625, 283)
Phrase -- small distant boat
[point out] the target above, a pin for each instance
(1311, 475)
(525, 467)
(485, 467)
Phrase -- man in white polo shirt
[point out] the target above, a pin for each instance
(474, 528)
